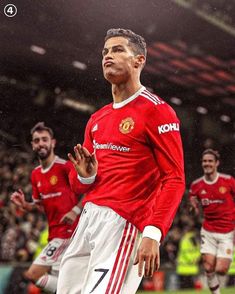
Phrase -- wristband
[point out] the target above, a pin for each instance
(87, 181)
(152, 233)
(77, 210)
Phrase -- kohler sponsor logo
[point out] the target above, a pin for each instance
(168, 128)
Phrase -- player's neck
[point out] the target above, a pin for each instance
(45, 163)
(122, 92)
(211, 177)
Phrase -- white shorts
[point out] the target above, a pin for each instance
(51, 255)
(101, 255)
(217, 244)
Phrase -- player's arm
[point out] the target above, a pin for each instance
(193, 200)
(166, 144)
(163, 130)
(72, 215)
(18, 198)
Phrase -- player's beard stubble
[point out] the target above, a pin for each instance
(44, 152)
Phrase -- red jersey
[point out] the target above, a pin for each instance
(51, 188)
(217, 200)
(140, 160)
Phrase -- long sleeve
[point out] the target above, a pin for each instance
(164, 136)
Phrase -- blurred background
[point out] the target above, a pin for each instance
(50, 70)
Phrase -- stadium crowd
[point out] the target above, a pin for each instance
(19, 231)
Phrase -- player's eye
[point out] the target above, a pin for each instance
(118, 49)
(104, 52)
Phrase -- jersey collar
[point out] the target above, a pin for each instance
(49, 167)
(211, 182)
(128, 100)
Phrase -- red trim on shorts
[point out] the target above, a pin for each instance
(60, 249)
(127, 260)
(42, 281)
(117, 258)
(122, 259)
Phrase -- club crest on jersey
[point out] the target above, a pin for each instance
(53, 180)
(228, 251)
(126, 125)
(222, 190)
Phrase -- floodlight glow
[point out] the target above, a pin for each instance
(79, 65)
(225, 118)
(37, 49)
(202, 110)
(176, 100)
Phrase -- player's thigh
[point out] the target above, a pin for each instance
(209, 243)
(75, 261)
(225, 252)
(112, 255)
(132, 280)
(225, 246)
(72, 275)
(52, 254)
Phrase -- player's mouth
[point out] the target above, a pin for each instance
(108, 63)
(42, 150)
(207, 168)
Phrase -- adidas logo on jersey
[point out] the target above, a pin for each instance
(203, 192)
(168, 128)
(95, 128)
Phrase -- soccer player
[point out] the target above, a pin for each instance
(215, 192)
(52, 194)
(131, 164)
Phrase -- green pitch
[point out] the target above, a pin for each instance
(223, 291)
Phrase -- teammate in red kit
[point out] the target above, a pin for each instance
(52, 194)
(216, 194)
(131, 165)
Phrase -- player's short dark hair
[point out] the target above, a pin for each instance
(136, 42)
(212, 152)
(40, 126)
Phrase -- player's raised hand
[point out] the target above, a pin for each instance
(147, 257)
(18, 198)
(84, 162)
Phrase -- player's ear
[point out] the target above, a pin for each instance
(53, 142)
(217, 163)
(32, 145)
(139, 60)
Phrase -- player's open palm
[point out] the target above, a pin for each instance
(85, 163)
(147, 257)
(18, 198)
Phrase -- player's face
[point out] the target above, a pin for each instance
(119, 60)
(42, 143)
(209, 164)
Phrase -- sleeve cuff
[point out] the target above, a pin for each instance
(87, 181)
(152, 233)
(77, 210)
